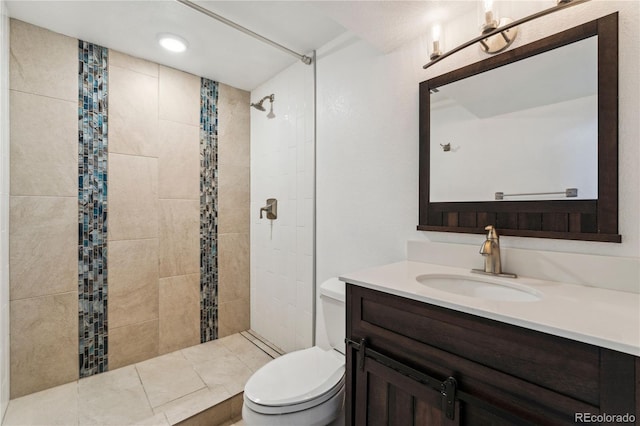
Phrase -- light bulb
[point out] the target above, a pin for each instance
(435, 33)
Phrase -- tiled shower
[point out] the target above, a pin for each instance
(129, 209)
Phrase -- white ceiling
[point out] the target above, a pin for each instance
(223, 54)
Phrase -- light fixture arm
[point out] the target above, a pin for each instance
(499, 30)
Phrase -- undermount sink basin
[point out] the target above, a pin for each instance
(480, 287)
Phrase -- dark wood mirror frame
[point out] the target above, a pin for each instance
(589, 220)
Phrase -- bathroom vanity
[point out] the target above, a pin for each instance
(418, 354)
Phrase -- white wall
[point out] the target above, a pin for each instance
(281, 250)
(367, 141)
(4, 209)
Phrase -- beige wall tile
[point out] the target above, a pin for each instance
(133, 197)
(43, 246)
(132, 343)
(44, 342)
(133, 112)
(43, 62)
(234, 187)
(234, 267)
(44, 157)
(179, 161)
(179, 237)
(179, 312)
(132, 63)
(133, 281)
(234, 143)
(233, 317)
(179, 96)
(233, 219)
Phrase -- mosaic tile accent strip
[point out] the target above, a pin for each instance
(208, 210)
(92, 209)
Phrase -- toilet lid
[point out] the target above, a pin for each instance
(296, 378)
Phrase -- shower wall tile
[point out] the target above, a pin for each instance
(133, 282)
(44, 342)
(93, 322)
(234, 139)
(233, 219)
(43, 62)
(233, 212)
(179, 312)
(234, 186)
(132, 63)
(34, 170)
(208, 210)
(233, 264)
(179, 161)
(5, 326)
(282, 166)
(133, 112)
(179, 245)
(133, 197)
(179, 96)
(132, 343)
(43, 254)
(233, 317)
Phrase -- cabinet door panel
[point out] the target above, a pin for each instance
(386, 397)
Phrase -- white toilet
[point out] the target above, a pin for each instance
(304, 387)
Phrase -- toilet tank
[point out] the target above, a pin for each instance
(332, 298)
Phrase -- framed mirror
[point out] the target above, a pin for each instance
(526, 140)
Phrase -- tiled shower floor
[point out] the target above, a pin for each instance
(200, 385)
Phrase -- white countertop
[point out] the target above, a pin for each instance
(597, 316)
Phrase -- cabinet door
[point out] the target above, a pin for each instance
(384, 396)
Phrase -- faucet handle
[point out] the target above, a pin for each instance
(493, 233)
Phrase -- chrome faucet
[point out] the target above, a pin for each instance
(490, 250)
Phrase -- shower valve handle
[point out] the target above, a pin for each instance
(271, 209)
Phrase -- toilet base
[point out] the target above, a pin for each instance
(329, 413)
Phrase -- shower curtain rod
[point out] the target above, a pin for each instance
(304, 58)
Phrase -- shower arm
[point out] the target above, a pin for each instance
(304, 58)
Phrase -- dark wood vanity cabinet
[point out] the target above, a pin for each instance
(400, 352)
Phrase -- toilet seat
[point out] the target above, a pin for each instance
(296, 381)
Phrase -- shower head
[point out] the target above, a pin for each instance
(259, 106)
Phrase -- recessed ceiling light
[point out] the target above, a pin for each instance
(172, 42)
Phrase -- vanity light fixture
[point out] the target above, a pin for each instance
(496, 43)
(498, 34)
(172, 42)
(435, 39)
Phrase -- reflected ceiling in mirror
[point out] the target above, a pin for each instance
(529, 127)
